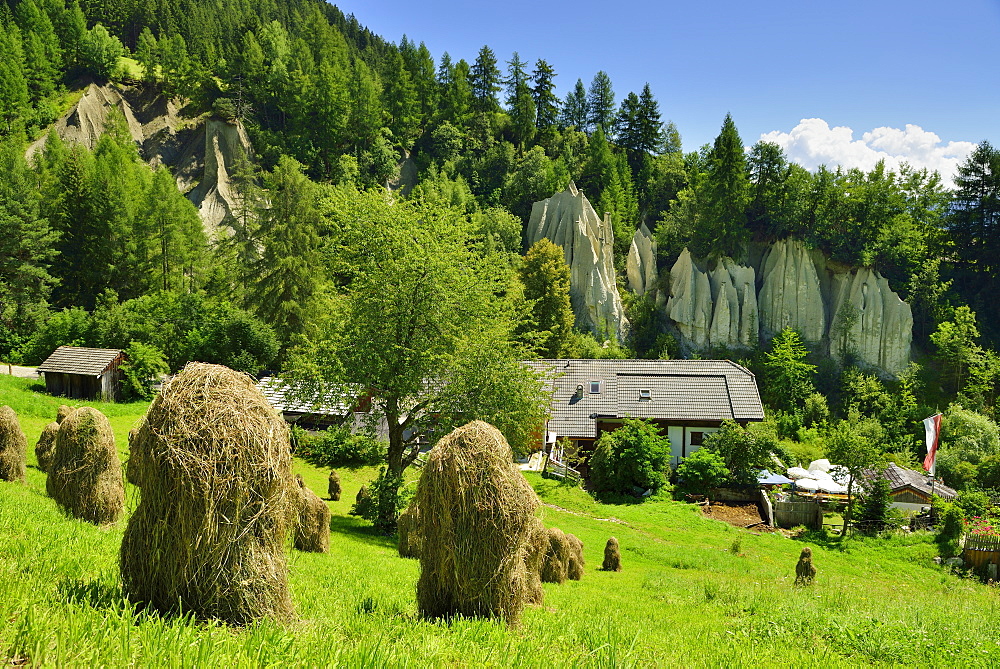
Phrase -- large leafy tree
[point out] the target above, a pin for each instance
(853, 450)
(424, 330)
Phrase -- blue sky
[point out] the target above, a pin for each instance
(926, 73)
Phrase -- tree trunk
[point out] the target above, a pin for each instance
(850, 503)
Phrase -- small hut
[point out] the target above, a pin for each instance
(84, 373)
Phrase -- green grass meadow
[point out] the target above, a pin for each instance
(694, 593)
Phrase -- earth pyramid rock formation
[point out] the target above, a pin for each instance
(568, 220)
(713, 308)
(640, 266)
(870, 321)
(791, 295)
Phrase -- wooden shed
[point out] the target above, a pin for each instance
(84, 373)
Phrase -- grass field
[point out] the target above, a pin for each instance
(694, 593)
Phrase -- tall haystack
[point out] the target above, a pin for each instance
(612, 556)
(45, 449)
(472, 558)
(13, 445)
(216, 501)
(312, 531)
(534, 560)
(556, 563)
(86, 475)
(574, 567)
(408, 529)
(62, 412)
(333, 486)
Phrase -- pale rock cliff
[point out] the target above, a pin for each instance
(790, 296)
(870, 321)
(568, 219)
(200, 153)
(713, 308)
(640, 266)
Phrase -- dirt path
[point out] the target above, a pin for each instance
(15, 370)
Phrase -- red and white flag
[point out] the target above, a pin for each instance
(932, 430)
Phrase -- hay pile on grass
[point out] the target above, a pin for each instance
(556, 562)
(333, 486)
(62, 412)
(574, 566)
(45, 449)
(534, 560)
(13, 445)
(408, 530)
(86, 475)
(472, 556)
(612, 556)
(312, 531)
(216, 501)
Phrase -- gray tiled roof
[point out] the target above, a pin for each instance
(682, 390)
(899, 478)
(79, 360)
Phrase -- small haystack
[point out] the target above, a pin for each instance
(612, 556)
(574, 567)
(408, 528)
(362, 496)
(333, 486)
(216, 501)
(312, 531)
(534, 559)
(556, 563)
(472, 556)
(45, 449)
(62, 412)
(86, 475)
(805, 570)
(13, 445)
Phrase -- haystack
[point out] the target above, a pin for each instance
(62, 412)
(408, 529)
(45, 449)
(556, 563)
(333, 486)
(13, 445)
(362, 496)
(86, 474)
(612, 556)
(312, 531)
(216, 501)
(472, 556)
(534, 559)
(574, 566)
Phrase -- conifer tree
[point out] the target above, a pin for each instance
(600, 103)
(542, 91)
(575, 110)
(484, 81)
(722, 230)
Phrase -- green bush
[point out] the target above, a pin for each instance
(874, 516)
(143, 366)
(337, 447)
(633, 456)
(384, 502)
(700, 471)
(745, 451)
(952, 524)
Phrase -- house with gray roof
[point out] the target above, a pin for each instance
(909, 489)
(84, 373)
(687, 399)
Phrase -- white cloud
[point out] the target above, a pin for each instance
(813, 143)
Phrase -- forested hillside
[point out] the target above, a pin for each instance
(98, 248)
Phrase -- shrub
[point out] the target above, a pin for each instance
(952, 525)
(700, 471)
(144, 364)
(745, 452)
(633, 456)
(874, 516)
(337, 447)
(383, 503)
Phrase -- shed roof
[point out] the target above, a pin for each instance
(680, 390)
(80, 360)
(900, 478)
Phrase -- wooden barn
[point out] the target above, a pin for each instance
(910, 490)
(84, 373)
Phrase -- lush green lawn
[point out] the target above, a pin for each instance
(694, 592)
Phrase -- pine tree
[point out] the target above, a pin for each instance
(575, 110)
(975, 219)
(484, 80)
(13, 81)
(147, 52)
(542, 92)
(545, 276)
(600, 103)
(722, 230)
